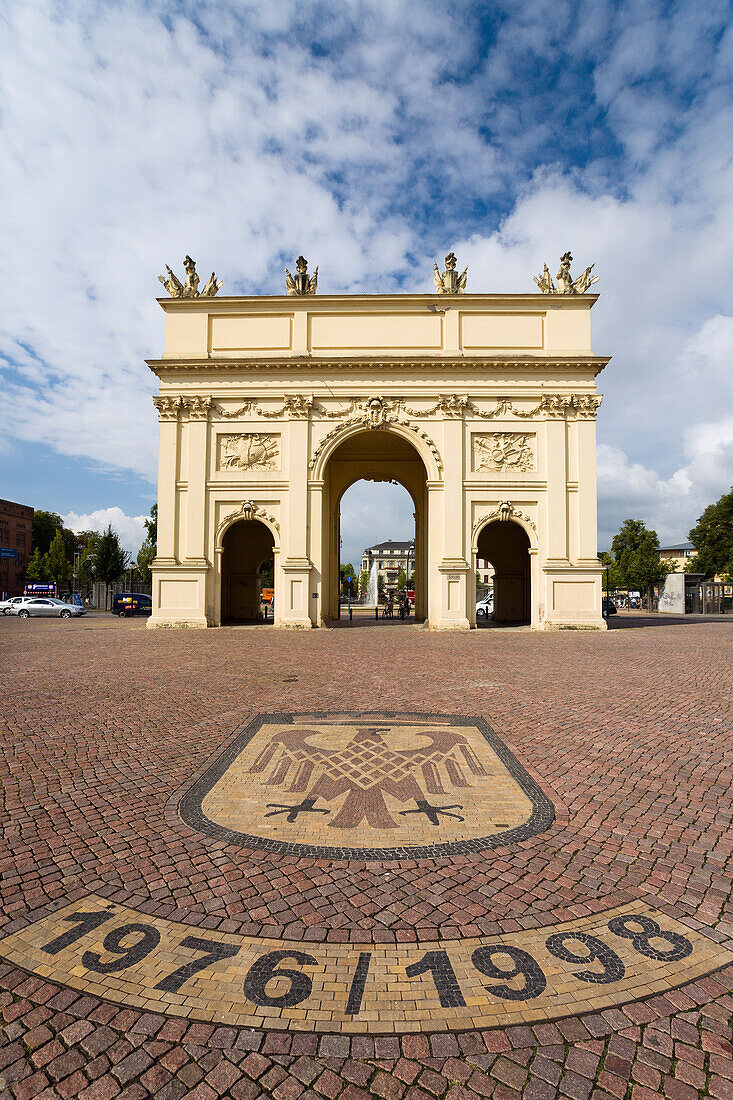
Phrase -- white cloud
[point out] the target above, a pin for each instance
(373, 512)
(133, 135)
(131, 529)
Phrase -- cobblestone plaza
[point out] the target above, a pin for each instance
(371, 861)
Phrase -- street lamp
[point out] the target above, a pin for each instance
(410, 550)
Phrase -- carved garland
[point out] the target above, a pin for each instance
(248, 511)
(451, 406)
(378, 413)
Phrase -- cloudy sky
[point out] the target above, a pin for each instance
(373, 136)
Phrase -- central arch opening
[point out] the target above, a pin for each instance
(376, 455)
(505, 544)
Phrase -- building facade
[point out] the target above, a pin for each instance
(679, 554)
(391, 557)
(482, 406)
(16, 532)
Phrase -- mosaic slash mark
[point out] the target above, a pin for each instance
(145, 962)
(367, 786)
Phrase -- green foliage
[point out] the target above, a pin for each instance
(58, 565)
(145, 557)
(110, 558)
(45, 526)
(712, 538)
(636, 557)
(151, 525)
(364, 581)
(347, 576)
(86, 542)
(37, 570)
(380, 584)
(267, 573)
(401, 580)
(609, 564)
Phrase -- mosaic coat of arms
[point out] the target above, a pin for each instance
(367, 786)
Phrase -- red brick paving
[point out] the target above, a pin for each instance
(627, 732)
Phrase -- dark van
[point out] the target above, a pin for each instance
(127, 604)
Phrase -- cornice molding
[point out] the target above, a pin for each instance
(224, 303)
(310, 363)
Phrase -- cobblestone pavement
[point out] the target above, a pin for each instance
(106, 723)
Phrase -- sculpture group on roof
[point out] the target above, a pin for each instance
(189, 288)
(450, 282)
(565, 282)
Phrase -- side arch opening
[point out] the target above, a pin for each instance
(506, 545)
(246, 572)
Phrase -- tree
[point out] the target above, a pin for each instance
(36, 569)
(347, 576)
(45, 526)
(610, 565)
(145, 557)
(110, 559)
(364, 581)
(151, 525)
(401, 581)
(57, 563)
(267, 573)
(86, 543)
(636, 555)
(380, 586)
(712, 538)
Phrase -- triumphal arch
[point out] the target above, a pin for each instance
(482, 405)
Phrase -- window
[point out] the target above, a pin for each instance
(688, 553)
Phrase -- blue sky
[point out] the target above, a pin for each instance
(372, 136)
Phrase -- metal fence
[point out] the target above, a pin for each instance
(102, 594)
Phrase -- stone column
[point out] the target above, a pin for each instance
(587, 502)
(454, 569)
(557, 501)
(316, 551)
(198, 442)
(168, 409)
(295, 610)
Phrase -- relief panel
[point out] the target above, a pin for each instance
(248, 451)
(502, 452)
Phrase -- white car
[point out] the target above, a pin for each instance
(485, 606)
(6, 606)
(45, 607)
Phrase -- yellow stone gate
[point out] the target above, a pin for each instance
(482, 405)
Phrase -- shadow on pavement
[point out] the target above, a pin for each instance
(625, 620)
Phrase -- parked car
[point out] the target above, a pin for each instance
(485, 606)
(6, 606)
(45, 607)
(128, 604)
(609, 607)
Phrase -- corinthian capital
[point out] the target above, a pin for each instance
(168, 407)
(197, 408)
